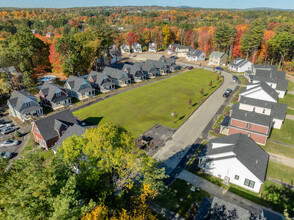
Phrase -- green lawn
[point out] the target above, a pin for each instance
(279, 149)
(280, 172)
(285, 134)
(180, 189)
(290, 111)
(141, 108)
(290, 86)
(288, 99)
(235, 98)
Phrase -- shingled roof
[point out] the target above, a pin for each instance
(114, 73)
(18, 100)
(246, 151)
(47, 125)
(238, 62)
(75, 83)
(194, 53)
(49, 91)
(98, 77)
(217, 54)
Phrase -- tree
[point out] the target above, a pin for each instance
(191, 38)
(28, 82)
(5, 86)
(202, 91)
(55, 59)
(223, 36)
(190, 103)
(132, 38)
(167, 35)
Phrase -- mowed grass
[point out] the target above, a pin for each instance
(141, 108)
(279, 149)
(285, 134)
(288, 99)
(280, 172)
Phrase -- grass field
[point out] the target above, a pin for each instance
(279, 149)
(290, 86)
(141, 108)
(280, 172)
(290, 111)
(288, 99)
(285, 134)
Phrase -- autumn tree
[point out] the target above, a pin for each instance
(191, 38)
(167, 35)
(131, 38)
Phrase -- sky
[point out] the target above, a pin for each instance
(240, 4)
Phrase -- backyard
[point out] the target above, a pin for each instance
(285, 134)
(141, 108)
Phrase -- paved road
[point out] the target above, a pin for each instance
(219, 192)
(282, 160)
(191, 130)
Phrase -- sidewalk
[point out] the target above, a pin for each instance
(219, 192)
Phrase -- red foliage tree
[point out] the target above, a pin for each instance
(132, 38)
(55, 59)
(241, 29)
(190, 38)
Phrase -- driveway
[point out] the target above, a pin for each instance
(191, 130)
(219, 192)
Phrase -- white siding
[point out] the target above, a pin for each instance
(277, 123)
(231, 167)
(258, 94)
(265, 111)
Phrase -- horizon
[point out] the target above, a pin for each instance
(212, 4)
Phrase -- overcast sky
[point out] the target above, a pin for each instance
(283, 4)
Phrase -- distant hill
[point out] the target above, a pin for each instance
(267, 9)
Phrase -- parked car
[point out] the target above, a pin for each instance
(219, 68)
(6, 155)
(190, 68)
(5, 126)
(229, 90)
(9, 143)
(174, 57)
(235, 79)
(7, 130)
(226, 95)
(185, 66)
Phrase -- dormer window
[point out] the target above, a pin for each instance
(58, 94)
(28, 104)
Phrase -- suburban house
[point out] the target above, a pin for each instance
(119, 77)
(274, 78)
(47, 131)
(171, 63)
(135, 72)
(114, 54)
(195, 55)
(152, 47)
(254, 125)
(172, 48)
(101, 81)
(260, 91)
(150, 69)
(54, 96)
(182, 51)
(218, 58)
(79, 88)
(161, 66)
(125, 49)
(50, 34)
(137, 48)
(217, 208)
(72, 130)
(235, 159)
(23, 105)
(240, 65)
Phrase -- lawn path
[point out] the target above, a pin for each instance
(282, 160)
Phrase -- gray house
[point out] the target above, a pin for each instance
(137, 48)
(125, 49)
(195, 55)
(218, 58)
(54, 96)
(23, 105)
(135, 72)
(150, 69)
(79, 88)
(119, 77)
(162, 67)
(171, 63)
(101, 81)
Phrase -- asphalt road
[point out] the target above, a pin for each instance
(174, 149)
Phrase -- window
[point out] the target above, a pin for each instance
(254, 109)
(28, 104)
(249, 183)
(58, 94)
(248, 125)
(236, 177)
(263, 111)
(249, 135)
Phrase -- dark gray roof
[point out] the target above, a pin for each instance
(272, 215)
(266, 67)
(203, 210)
(115, 73)
(194, 53)
(125, 47)
(264, 86)
(49, 91)
(158, 64)
(72, 130)
(18, 100)
(278, 110)
(76, 83)
(98, 77)
(217, 54)
(246, 151)
(47, 125)
(226, 121)
(167, 61)
(251, 117)
(238, 62)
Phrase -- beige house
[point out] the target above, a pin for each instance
(218, 58)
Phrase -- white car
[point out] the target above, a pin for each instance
(9, 143)
(5, 125)
(7, 130)
(6, 155)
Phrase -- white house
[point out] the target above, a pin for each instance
(218, 58)
(236, 159)
(152, 47)
(195, 55)
(240, 65)
(260, 91)
(79, 88)
(137, 48)
(125, 49)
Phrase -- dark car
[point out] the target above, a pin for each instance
(229, 90)
(190, 68)
(219, 68)
(235, 79)
(174, 57)
(226, 95)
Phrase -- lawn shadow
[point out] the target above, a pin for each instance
(205, 94)
(183, 116)
(194, 104)
(92, 120)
